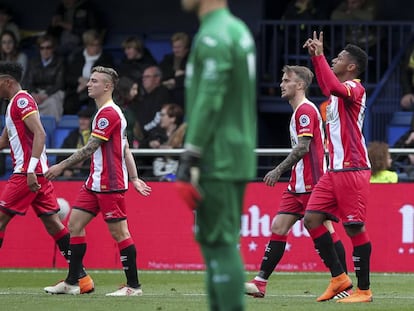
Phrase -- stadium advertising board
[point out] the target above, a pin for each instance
(162, 229)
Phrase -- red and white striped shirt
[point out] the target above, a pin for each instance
(108, 170)
(344, 119)
(21, 106)
(307, 121)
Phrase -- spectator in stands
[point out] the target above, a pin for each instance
(147, 110)
(137, 58)
(71, 19)
(169, 134)
(45, 78)
(125, 95)
(79, 70)
(171, 117)
(405, 163)
(302, 10)
(78, 139)
(407, 81)
(357, 10)
(380, 159)
(6, 22)
(173, 66)
(10, 50)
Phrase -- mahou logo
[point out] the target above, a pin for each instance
(407, 212)
(254, 224)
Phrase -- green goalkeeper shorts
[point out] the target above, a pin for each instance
(218, 216)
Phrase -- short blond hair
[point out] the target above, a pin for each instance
(113, 75)
(303, 73)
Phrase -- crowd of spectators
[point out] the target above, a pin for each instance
(57, 68)
(150, 92)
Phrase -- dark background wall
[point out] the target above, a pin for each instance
(166, 16)
(146, 16)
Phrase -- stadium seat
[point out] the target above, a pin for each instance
(68, 121)
(49, 124)
(66, 124)
(60, 135)
(398, 126)
(158, 47)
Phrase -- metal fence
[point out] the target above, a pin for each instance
(277, 153)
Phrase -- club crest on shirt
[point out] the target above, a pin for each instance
(102, 123)
(304, 120)
(22, 102)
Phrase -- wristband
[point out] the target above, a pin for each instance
(32, 165)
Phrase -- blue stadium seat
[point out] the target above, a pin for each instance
(60, 135)
(398, 126)
(49, 124)
(158, 47)
(66, 124)
(68, 121)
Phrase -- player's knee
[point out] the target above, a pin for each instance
(354, 229)
(312, 221)
(280, 230)
(75, 229)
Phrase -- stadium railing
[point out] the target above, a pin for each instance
(260, 152)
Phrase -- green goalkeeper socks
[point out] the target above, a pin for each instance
(225, 277)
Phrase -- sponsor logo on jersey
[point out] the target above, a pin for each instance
(246, 41)
(28, 109)
(209, 41)
(102, 123)
(210, 69)
(22, 102)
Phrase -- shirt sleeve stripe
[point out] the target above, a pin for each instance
(100, 137)
(30, 113)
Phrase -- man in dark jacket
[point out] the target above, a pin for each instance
(45, 78)
(173, 67)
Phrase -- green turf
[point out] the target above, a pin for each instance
(181, 291)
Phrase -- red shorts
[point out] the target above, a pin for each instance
(111, 204)
(16, 197)
(342, 195)
(293, 203)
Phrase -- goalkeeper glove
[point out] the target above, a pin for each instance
(188, 174)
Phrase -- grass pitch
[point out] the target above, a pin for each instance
(184, 291)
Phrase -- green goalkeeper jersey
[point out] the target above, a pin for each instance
(221, 97)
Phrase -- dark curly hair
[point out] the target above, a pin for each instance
(11, 69)
(359, 56)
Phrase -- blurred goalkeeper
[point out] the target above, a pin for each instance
(219, 156)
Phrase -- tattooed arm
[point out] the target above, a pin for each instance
(294, 157)
(79, 156)
(83, 153)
